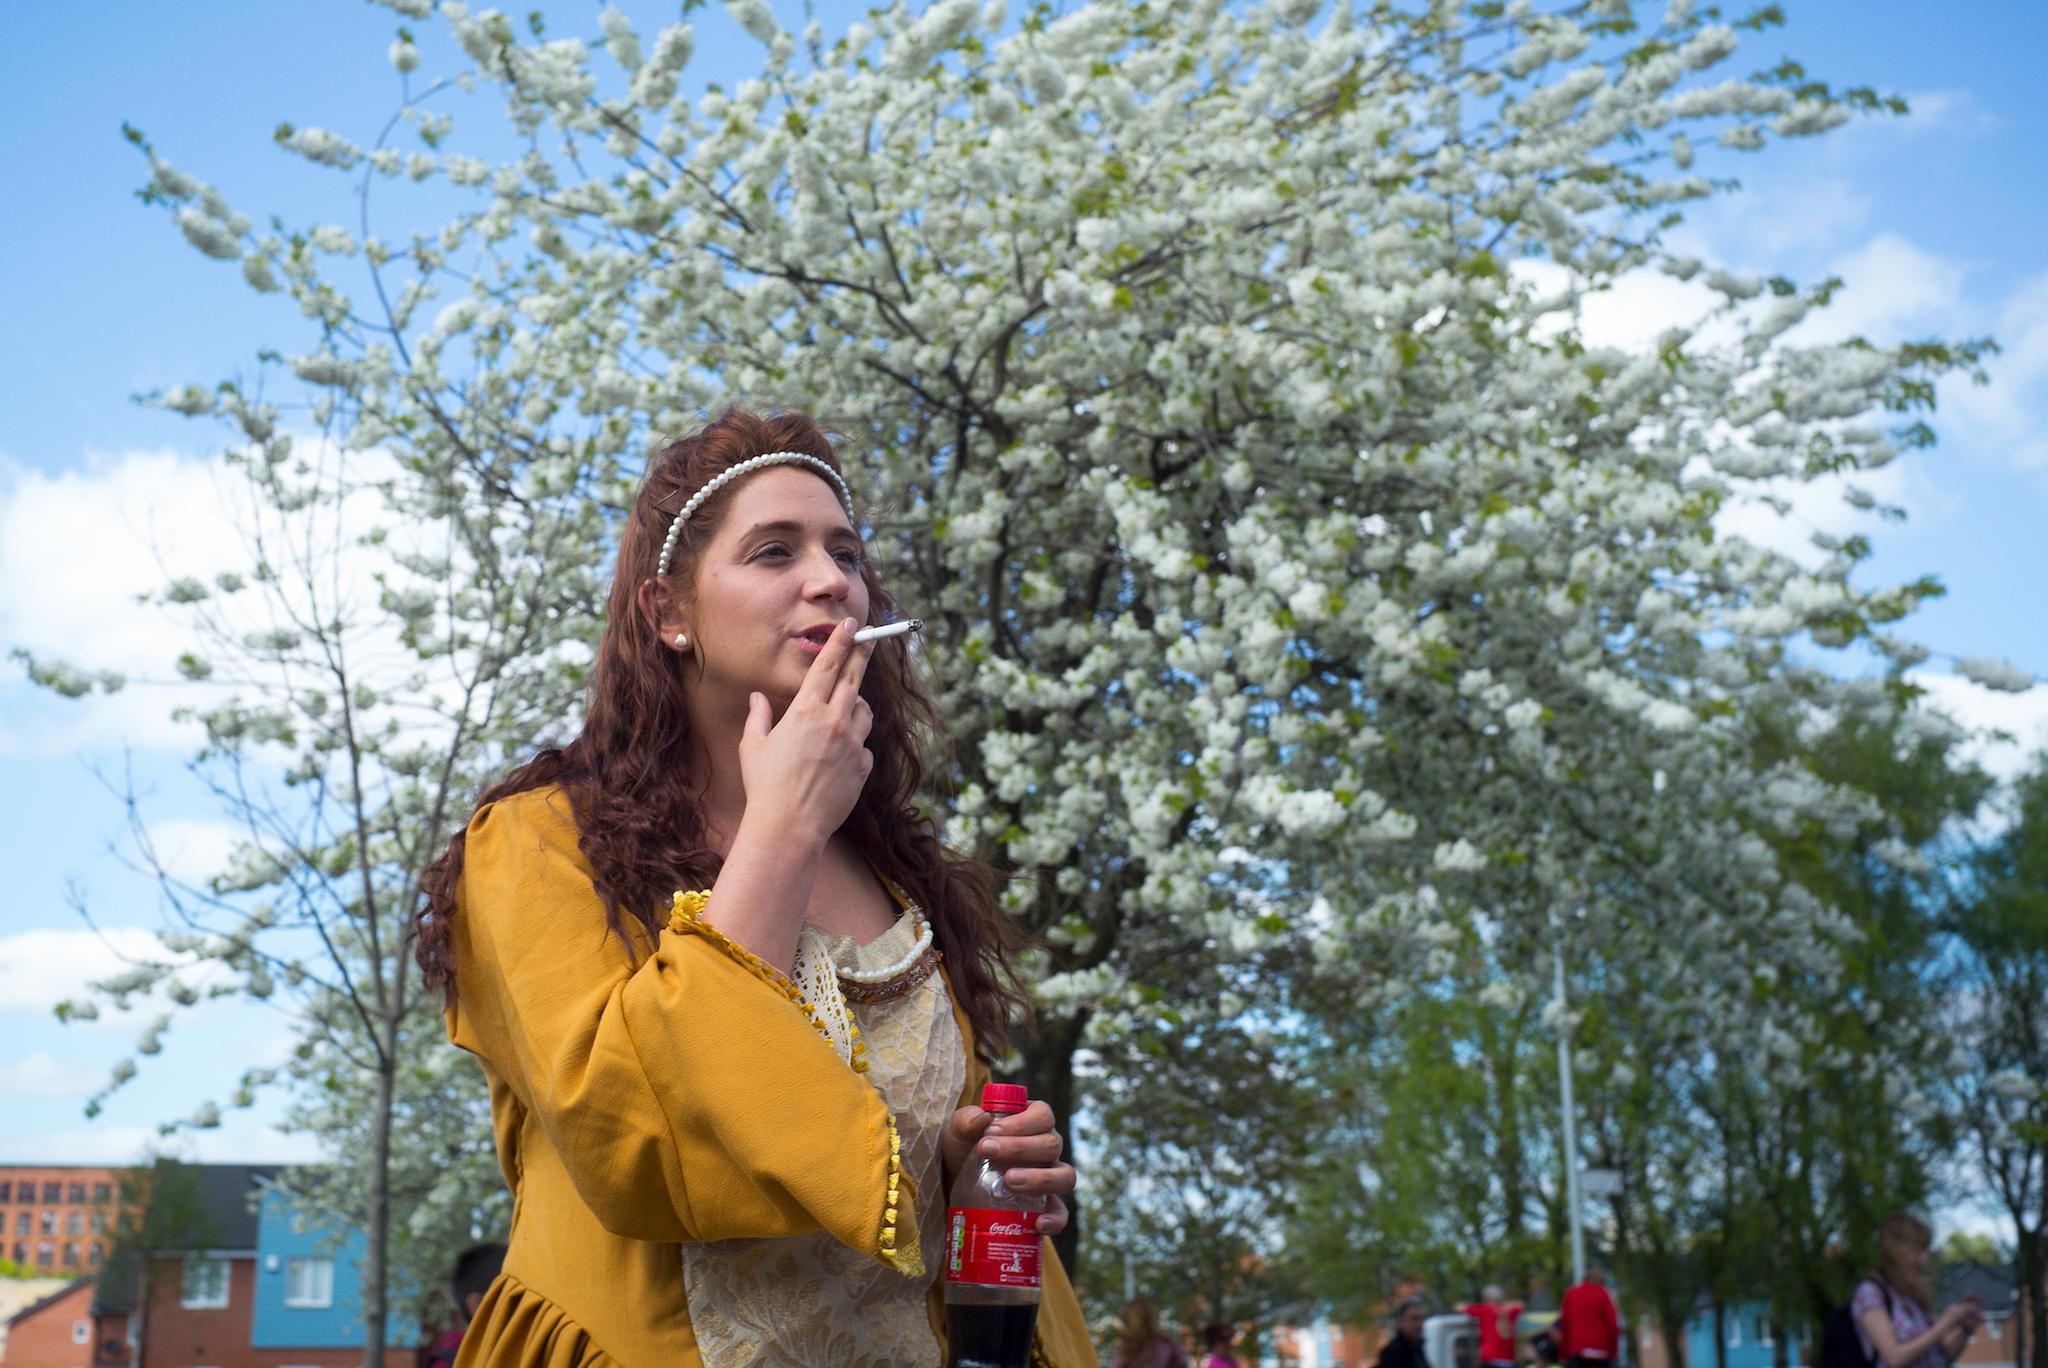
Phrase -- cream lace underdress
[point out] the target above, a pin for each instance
(808, 1300)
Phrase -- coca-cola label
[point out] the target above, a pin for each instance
(992, 1248)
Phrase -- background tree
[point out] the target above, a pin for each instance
(1213, 379)
(2000, 1016)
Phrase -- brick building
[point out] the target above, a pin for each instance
(59, 1219)
(250, 1290)
(66, 1329)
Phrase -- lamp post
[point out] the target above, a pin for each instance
(1571, 1124)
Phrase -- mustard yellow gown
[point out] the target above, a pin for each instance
(682, 1096)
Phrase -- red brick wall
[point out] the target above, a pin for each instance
(176, 1335)
(75, 1197)
(43, 1339)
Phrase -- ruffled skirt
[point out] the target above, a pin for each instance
(516, 1325)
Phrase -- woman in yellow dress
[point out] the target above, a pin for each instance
(731, 994)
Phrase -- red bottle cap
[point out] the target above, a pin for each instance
(1004, 1098)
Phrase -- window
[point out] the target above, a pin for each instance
(1996, 1325)
(46, 1253)
(103, 1192)
(48, 1221)
(53, 1192)
(70, 1254)
(1763, 1333)
(97, 1255)
(99, 1223)
(74, 1224)
(1735, 1332)
(309, 1282)
(81, 1332)
(75, 1194)
(6, 1189)
(21, 1251)
(24, 1223)
(205, 1284)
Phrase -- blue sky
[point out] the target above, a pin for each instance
(1934, 221)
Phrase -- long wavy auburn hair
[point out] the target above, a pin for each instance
(628, 775)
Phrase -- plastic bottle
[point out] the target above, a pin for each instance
(992, 1258)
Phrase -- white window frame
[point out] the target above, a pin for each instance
(1763, 1332)
(81, 1332)
(309, 1283)
(204, 1299)
(1735, 1332)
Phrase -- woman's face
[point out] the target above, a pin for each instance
(781, 570)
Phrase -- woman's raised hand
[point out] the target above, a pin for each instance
(805, 772)
(1023, 1145)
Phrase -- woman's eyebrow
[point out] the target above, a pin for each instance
(788, 528)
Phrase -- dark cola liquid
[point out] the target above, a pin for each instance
(989, 1336)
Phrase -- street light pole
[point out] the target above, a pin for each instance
(1571, 1125)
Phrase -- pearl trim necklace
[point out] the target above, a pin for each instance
(731, 473)
(901, 966)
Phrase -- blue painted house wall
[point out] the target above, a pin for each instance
(1749, 1342)
(339, 1325)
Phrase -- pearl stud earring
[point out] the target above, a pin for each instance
(682, 641)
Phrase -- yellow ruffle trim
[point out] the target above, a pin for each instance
(686, 917)
(907, 1259)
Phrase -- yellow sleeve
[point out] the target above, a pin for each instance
(688, 1095)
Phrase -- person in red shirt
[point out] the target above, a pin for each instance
(1496, 1317)
(1588, 1328)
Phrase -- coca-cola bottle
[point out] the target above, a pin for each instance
(992, 1246)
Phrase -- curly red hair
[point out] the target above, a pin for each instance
(627, 773)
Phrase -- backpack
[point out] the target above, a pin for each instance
(1839, 1347)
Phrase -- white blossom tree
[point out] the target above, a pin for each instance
(1197, 394)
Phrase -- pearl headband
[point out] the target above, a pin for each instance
(731, 473)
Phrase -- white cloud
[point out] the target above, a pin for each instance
(40, 1075)
(1818, 506)
(39, 969)
(2009, 416)
(2024, 716)
(1634, 310)
(192, 850)
(1799, 217)
(1891, 291)
(76, 549)
(1938, 111)
(239, 1139)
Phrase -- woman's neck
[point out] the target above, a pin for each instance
(724, 792)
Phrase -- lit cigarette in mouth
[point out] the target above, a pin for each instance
(903, 628)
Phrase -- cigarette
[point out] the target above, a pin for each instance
(902, 628)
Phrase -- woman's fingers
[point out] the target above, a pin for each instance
(824, 671)
(1049, 1180)
(1054, 1218)
(854, 667)
(1022, 1149)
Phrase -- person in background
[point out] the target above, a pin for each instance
(1216, 1341)
(1496, 1317)
(475, 1268)
(1404, 1350)
(1891, 1307)
(1588, 1327)
(1139, 1341)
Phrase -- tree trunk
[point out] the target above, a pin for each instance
(1781, 1346)
(377, 1232)
(1720, 1334)
(2030, 1343)
(1049, 1073)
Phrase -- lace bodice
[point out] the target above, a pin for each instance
(808, 1299)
